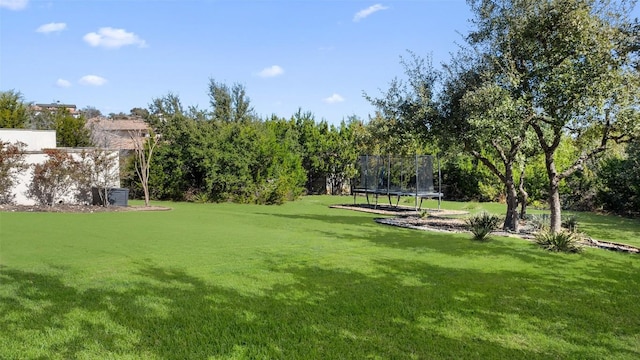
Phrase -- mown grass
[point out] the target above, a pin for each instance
(300, 281)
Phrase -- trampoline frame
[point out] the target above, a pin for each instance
(384, 179)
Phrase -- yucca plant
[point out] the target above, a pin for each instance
(539, 222)
(201, 198)
(563, 241)
(482, 225)
(570, 222)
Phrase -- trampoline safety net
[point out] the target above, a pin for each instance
(396, 176)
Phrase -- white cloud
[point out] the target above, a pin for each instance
(63, 83)
(335, 98)
(368, 11)
(92, 80)
(14, 4)
(271, 71)
(111, 38)
(51, 27)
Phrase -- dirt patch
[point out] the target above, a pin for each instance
(66, 208)
(397, 210)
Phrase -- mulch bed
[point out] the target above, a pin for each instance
(407, 217)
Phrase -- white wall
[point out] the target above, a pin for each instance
(36, 140)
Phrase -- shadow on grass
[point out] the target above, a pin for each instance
(610, 227)
(408, 310)
(354, 220)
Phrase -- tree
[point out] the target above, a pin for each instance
(479, 116)
(619, 178)
(162, 109)
(14, 112)
(229, 104)
(471, 114)
(70, 130)
(569, 64)
(139, 112)
(11, 164)
(143, 153)
(90, 112)
(407, 108)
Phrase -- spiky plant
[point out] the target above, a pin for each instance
(563, 241)
(482, 225)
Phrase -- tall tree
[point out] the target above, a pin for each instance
(14, 112)
(569, 63)
(143, 154)
(90, 112)
(162, 109)
(478, 116)
(229, 104)
(70, 130)
(471, 114)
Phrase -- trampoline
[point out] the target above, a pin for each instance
(394, 177)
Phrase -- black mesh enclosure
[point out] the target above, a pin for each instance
(396, 176)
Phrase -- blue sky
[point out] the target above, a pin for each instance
(315, 55)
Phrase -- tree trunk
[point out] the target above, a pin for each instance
(554, 204)
(523, 197)
(554, 192)
(511, 219)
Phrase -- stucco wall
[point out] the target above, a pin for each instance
(37, 141)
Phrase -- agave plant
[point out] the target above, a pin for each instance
(563, 241)
(570, 222)
(482, 225)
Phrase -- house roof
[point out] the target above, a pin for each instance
(107, 124)
(55, 105)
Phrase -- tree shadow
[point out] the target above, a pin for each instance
(409, 309)
(343, 219)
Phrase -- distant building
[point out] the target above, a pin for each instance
(117, 133)
(39, 108)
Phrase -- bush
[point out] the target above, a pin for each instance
(482, 225)
(11, 164)
(563, 241)
(54, 178)
(570, 222)
(539, 222)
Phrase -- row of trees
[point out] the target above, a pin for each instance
(227, 153)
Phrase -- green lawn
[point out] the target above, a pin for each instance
(302, 281)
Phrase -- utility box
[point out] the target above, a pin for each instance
(115, 196)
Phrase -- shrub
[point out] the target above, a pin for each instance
(482, 225)
(53, 178)
(570, 222)
(11, 164)
(563, 241)
(539, 222)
